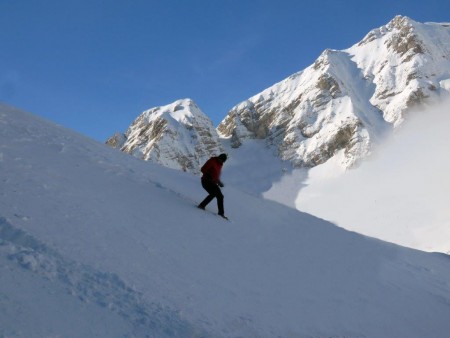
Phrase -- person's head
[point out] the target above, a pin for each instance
(223, 157)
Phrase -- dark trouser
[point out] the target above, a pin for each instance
(213, 191)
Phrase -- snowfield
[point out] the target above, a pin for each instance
(400, 195)
(96, 243)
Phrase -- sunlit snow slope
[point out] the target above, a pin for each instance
(94, 242)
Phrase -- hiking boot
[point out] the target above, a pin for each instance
(223, 216)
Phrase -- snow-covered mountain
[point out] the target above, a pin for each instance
(97, 243)
(178, 136)
(347, 100)
(330, 116)
(341, 106)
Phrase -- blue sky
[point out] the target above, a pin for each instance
(95, 65)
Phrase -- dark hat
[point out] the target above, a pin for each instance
(223, 157)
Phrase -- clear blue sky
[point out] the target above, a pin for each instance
(95, 65)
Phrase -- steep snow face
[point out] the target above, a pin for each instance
(178, 136)
(347, 100)
(97, 243)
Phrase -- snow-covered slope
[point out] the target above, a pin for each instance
(400, 195)
(97, 243)
(178, 136)
(343, 104)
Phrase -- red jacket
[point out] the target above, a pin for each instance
(211, 169)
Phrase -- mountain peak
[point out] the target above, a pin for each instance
(325, 59)
(180, 110)
(178, 135)
(400, 21)
(399, 24)
(343, 104)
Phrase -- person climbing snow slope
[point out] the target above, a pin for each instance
(211, 182)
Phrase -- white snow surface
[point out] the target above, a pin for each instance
(400, 195)
(96, 243)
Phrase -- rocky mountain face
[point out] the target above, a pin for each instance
(178, 136)
(343, 103)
